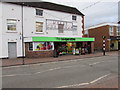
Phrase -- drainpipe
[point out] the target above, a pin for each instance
(22, 35)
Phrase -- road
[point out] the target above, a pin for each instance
(61, 74)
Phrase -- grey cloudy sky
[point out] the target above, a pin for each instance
(95, 11)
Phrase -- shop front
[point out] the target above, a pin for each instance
(115, 43)
(57, 46)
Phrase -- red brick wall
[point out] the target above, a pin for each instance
(83, 25)
(36, 54)
(97, 33)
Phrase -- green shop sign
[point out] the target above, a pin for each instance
(60, 39)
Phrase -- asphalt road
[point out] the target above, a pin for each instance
(61, 74)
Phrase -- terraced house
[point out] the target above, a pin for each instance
(36, 29)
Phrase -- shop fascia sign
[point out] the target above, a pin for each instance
(65, 39)
(53, 39)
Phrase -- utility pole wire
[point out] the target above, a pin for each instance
(91, 5)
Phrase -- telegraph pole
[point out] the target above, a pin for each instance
(104, 45)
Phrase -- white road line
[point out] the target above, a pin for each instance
(81, 84)
(99, 78)
(9, 75)
(94, 63)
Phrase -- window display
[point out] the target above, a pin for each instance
(38, 46)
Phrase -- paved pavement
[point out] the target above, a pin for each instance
(95, 72)
(19, 61)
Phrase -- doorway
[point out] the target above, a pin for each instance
(12, 50)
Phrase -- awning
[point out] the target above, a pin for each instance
(61, 39)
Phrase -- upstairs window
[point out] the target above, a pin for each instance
(11, 24)
(111, 30)
(118, 31)
(39, 26)
(60, 28)
(74, 31)
(39, 12)
(74, 17)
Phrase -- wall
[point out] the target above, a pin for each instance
(30, 18)
(0, 30)
(11, 11)
(36, 54)
(97, 33)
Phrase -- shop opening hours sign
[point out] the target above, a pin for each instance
(54, 24)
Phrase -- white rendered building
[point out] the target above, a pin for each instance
(40, 25)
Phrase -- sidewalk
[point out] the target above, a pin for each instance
(19, 61)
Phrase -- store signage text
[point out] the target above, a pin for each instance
(67, 39)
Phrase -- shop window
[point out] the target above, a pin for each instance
(111, 30)
(30, 46)
(39, 12)
(74, 17)
(40, 46)
(39, 26)
(11, 24)
(60, 28)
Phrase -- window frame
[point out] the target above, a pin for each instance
(111, 31)
(14, 23)
(61, 28)
(118, 31)
(29, 48)
(74, 17)
(40, 27)
(39, 13)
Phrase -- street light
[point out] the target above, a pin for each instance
(104, 45)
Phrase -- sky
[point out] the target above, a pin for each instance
(95, 11)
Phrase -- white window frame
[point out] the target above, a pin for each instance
(40, 27)
(74, 16)
(111, 31)
(118, 31)
(74, 31)
(60, 28)
(39, 12)
(34, 44)
(14, 23)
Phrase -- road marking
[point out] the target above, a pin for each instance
(81, 84)
(94, 63)
(9, 75)
(99, 78)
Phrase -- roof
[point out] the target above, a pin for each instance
(100, 25)
(50, 6)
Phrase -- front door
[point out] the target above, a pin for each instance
(12, 51)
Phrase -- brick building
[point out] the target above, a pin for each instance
(110, 30)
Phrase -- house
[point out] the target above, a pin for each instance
(37, 29)
(112, 33)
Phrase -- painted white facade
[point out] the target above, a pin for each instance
(12, 11)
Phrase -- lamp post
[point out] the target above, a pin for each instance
(104, 45)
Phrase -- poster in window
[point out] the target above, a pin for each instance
(40, 46)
